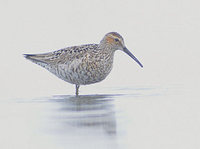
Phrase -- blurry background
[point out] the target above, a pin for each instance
(152, 107)
(163, 35)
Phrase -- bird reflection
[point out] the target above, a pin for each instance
(88, 111)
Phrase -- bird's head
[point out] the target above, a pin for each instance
(116, 42)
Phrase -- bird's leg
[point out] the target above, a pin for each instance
(77, 87)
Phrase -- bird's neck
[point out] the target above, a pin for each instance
(103, 45)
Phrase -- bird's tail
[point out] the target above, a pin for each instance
(30, 56)
(37, 58)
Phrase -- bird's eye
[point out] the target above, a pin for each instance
(117, 40)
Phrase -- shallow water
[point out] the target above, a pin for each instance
(145, 117)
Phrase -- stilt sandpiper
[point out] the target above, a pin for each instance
(84, 64)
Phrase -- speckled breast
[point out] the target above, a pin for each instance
(83, 72)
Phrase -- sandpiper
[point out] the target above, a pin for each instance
(84, 64)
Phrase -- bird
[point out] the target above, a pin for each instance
(84, 64)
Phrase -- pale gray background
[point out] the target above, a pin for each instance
(163, 35)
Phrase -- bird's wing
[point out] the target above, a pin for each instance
(61, 56)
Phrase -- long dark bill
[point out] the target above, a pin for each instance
(132, 56)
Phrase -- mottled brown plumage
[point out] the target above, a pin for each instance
(85, 64)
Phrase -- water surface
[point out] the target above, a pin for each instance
(139, 117)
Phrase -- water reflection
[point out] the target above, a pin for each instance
(94, 112)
